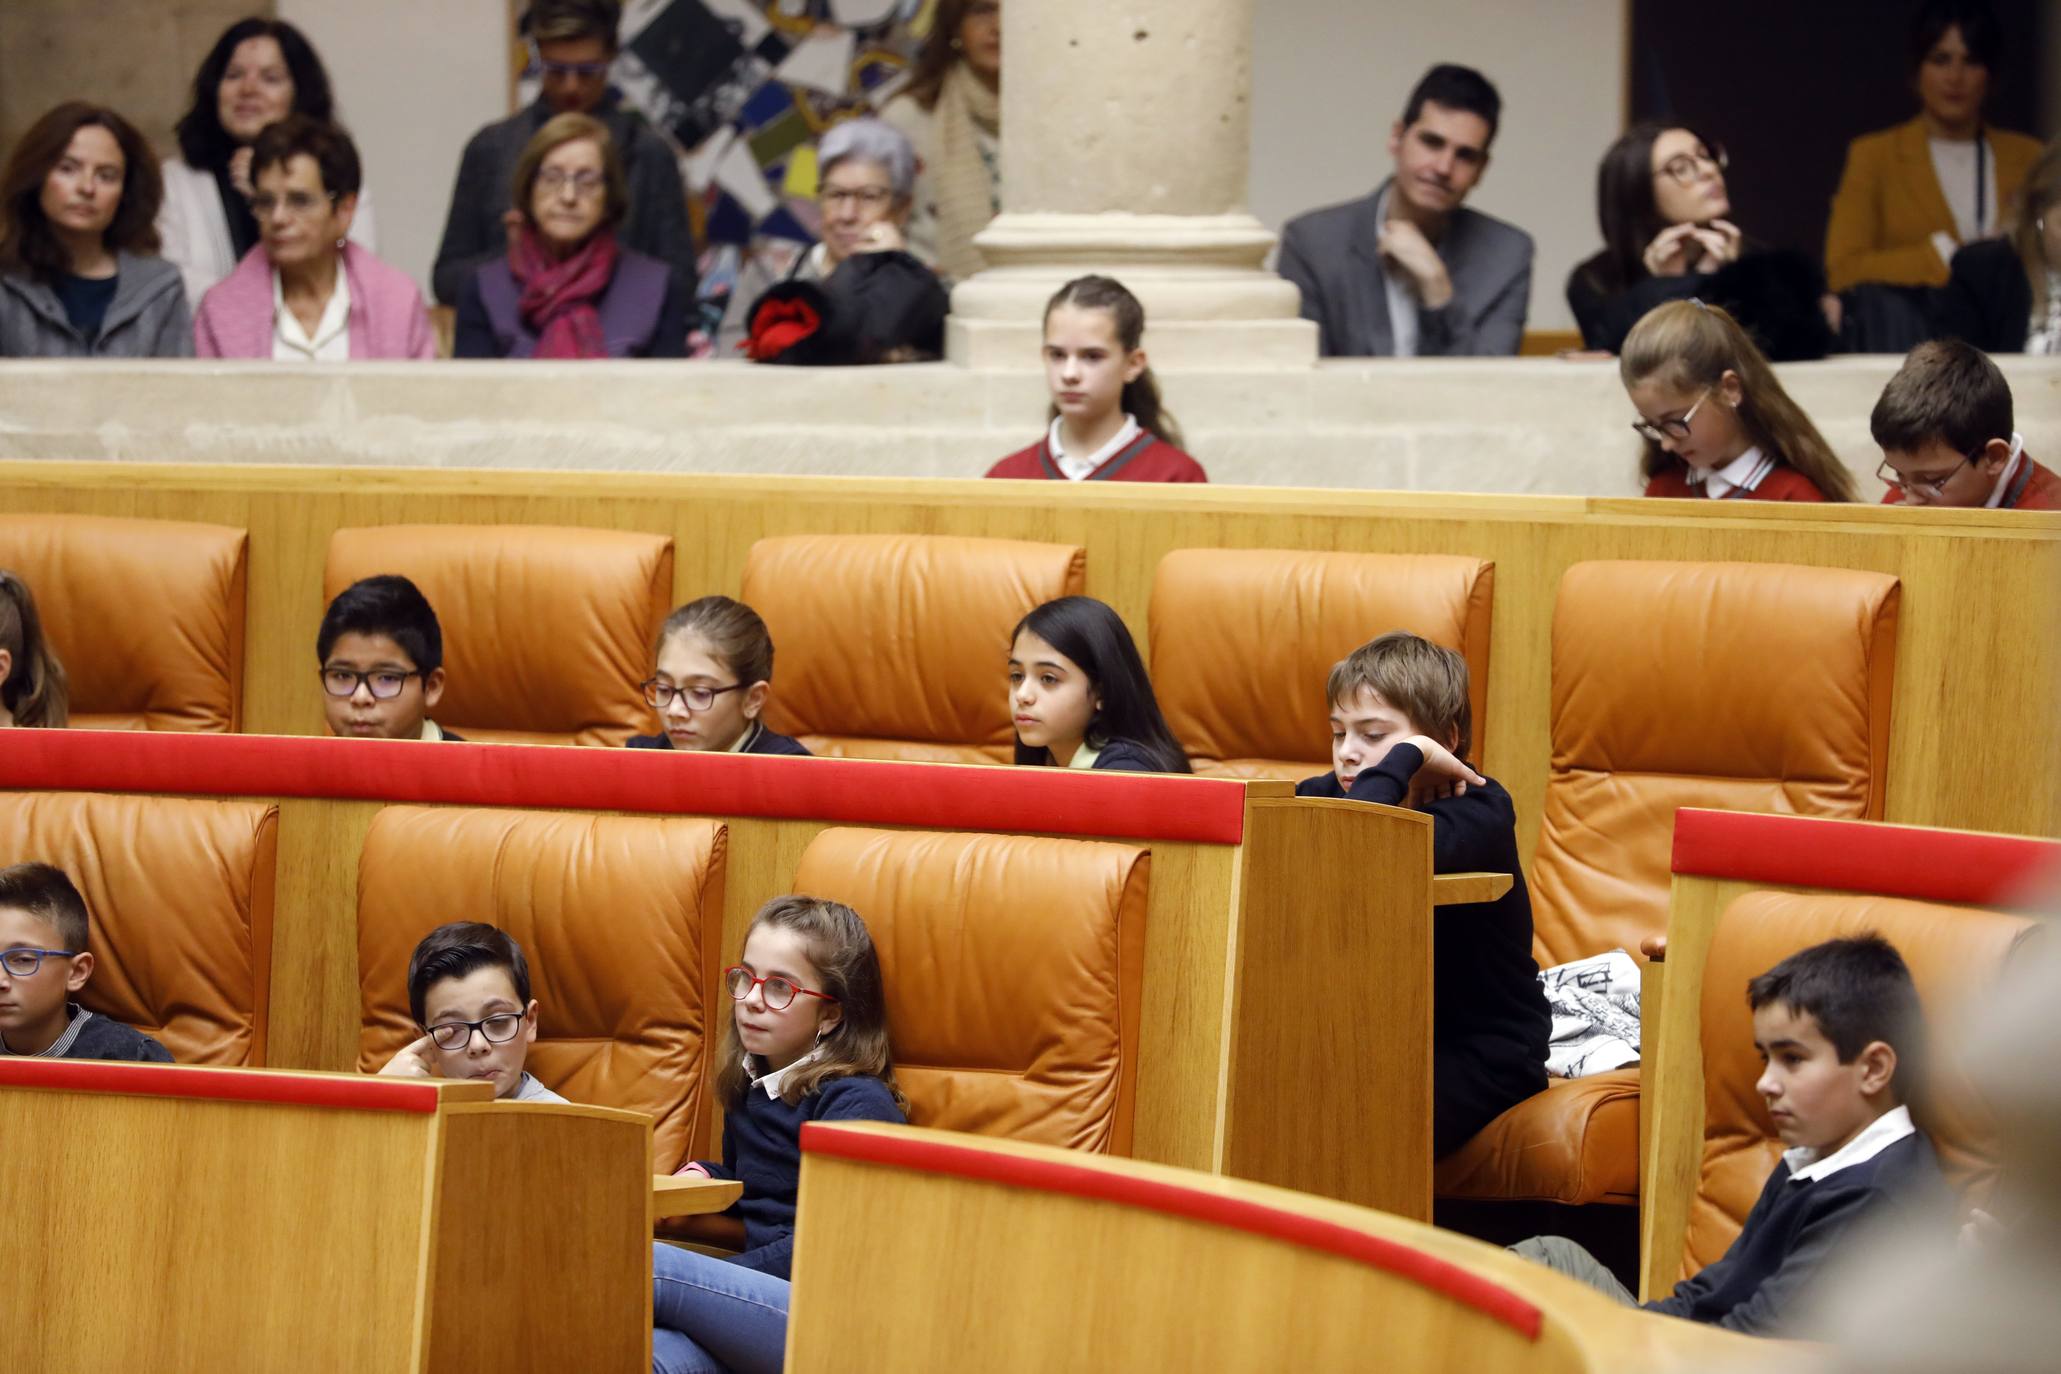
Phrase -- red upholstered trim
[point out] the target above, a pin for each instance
(1056, 801)
(931, 1156)
(222, 1085)
(1862, 856)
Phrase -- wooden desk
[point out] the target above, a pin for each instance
(688, 1195)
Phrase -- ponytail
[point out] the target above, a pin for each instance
(35, 691)
(1141, 394)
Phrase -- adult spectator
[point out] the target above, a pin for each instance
(951, 113)
(1913, 195)
(1409, 271)
(2004, 295)
(78, 273)
(566, 287)
(259, 72)
(877, 302)
(576, 45)
(307, 293)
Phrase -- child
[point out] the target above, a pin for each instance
(382, 657)
(1400, 728)
(1107, 424)
(469, 990)
(1942, 423)
(1717, 423)
(33, 687)
(1079, 694)
(714, 669)
(1834, 1024)
(808, 1042)
(43, 958)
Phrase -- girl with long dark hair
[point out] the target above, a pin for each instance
(1079, 694)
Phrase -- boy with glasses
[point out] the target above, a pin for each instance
(382, 662)
(1945, 426)
(469, 990)
(44, 963)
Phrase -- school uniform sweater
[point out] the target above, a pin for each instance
(1795, 1226)
(2032, 487)
(762, 741)
(1148, 458)
(1489, 1022)
(89, 1035)
(762, 1149)
(1117, 756)
(1783, 483)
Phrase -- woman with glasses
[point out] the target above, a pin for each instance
(79, 271)
(307, 293)
(713, 673)
(2004, 295)
(259, 72)
(567, 287)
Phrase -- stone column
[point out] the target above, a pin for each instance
(1126, 136)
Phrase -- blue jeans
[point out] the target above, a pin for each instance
(709, 1315)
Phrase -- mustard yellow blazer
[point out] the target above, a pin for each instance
(1889, 205)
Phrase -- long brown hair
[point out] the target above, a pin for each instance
(36, 691)
(26, 241)
(1692, 345)
(842, 951)
(2040, 195)
(1141, 394)
(939, 53)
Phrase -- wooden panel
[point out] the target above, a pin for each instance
(315, 934)
(1331, 1013)
(1977, 584)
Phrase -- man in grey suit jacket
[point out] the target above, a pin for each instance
(1408, 272)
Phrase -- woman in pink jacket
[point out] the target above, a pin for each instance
(306, 293)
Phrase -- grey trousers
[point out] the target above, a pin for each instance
(1563, 1256)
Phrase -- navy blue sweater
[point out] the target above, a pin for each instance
(762, 1149)
(1792, 1230)
(764, 742)
(1489, 1022)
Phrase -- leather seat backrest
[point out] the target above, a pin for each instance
(1243, 639)
(179, 903)
(619, 917)
(1955, 955)
(1736, 686)
(547, 630)
(146, 616)
(1014, 969)
(897, 646)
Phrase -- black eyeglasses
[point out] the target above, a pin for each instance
(1663, 430)
(23, 963)
(1684, 168)
(497, 1029)
(385, 683)
(659, 695)
(1933, 486)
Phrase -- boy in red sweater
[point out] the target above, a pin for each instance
(1945, 426)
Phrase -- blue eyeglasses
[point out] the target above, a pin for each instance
(25, 963)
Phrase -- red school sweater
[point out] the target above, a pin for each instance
(2033, 488)
(1148, 458)
(1784, 483)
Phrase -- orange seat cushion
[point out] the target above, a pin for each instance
(1577, 1142)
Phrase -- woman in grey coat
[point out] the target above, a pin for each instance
(79, 275)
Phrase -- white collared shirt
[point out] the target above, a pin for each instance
(1743, 473)
(431, 731)
(331, 342)
(1402, 299)
(1085, 756)
(1877, 1136)
(771, 1082)
(1077, 469)
(1996, 493)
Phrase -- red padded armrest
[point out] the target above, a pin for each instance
(1863, 856)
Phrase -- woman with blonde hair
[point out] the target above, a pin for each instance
(2004, 295)
(1716, 421)
(951, 111)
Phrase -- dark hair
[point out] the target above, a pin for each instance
(1974, 18)
(203, 142)
(554, 134)
(326, 142)
(36, 690)
(562, 21)
(460, 948)
(1095, 638)
(1947, 390)
(1456, 88)
(1141, 394)
(841, 948)
(938, 55)
(387, 605)
(46, 893)
(735, 633)
(26, 243)
(1426, 682)
(1858, 990)
(1627, 211)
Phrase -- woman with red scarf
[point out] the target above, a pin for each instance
(567, 288)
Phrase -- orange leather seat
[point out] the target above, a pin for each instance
(620, 918)
(179, 897)
(1243, 639)
(1737, 686)
(146, 615)
(1955, 954)
(896, 646)
(547, 631)
(1014, 968)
